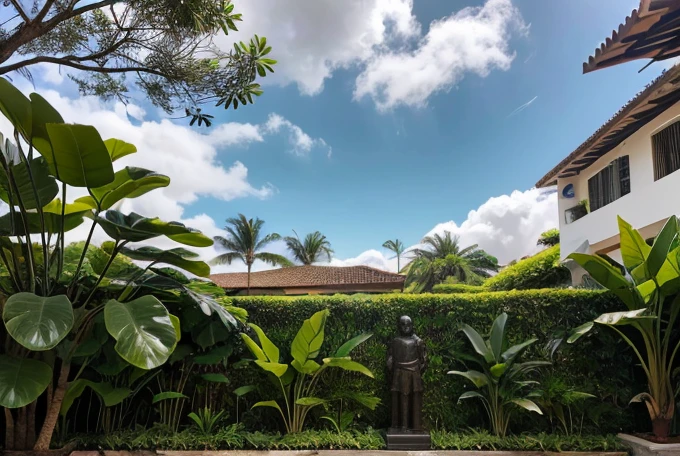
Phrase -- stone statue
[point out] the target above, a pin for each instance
(406, 361)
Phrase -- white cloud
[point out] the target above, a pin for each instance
(473, 40)
(506, 226)
(300, 142)
(383, 38)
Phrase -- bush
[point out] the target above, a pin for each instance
(598, 365)
(542, 270)
(454, 288)
(481, 441)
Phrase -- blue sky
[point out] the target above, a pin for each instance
(363, 153)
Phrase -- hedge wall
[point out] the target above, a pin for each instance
(599, 364)
(455, 288)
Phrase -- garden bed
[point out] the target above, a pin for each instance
(342, 453)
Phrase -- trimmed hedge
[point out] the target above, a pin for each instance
(455, 288)
(598, 364)
(542, 270)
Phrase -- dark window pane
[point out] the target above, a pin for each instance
(610, 184)
(666, 149)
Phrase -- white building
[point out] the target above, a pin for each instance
(630, 167)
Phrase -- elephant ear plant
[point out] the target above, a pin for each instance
(299, 379)
(502, 381)
(52, 312)
(650, 292)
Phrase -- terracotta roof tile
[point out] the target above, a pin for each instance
(308, 276)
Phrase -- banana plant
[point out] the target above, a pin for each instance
(49, 308)
(650, 292)
(298, 380)
(502, 382)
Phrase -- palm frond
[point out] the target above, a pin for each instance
(273, 259)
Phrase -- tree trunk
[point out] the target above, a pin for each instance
(20, 430)
(248, 290)
(45, 437)
(9, 429)
(30, 424)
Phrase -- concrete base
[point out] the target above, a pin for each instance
(642, 447)
(408, 440)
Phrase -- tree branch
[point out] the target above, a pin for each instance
(20, 10)
(77, 66)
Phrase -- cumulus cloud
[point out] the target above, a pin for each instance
(383, 38)
(473, 40)
(506, 226)
(301, 144)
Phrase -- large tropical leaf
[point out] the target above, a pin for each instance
(476, 377)
(26, 176)
(472, 394)
(118, 148)
(127, 183)
(36, 322)
(634, 249)
(497, 336)
(307, 342)
(254, 348)
(79, 156)
(624, 318)
(580, 331)
(478, 343)
(210, 306)
(136, 228)
(144, 333)
(348, 365)
(275, 368)
(310, 401)
(608, 276)
(346, 348)
(270, 350)
(42, 113)
(174, 257)
(16, 107)
(108, 394)
(271, 404)
(527, 405)
(166, 395)
(22, 380)
(516, 350)
(12, 224)
(662, 245)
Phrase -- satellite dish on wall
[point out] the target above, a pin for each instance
(568, 191)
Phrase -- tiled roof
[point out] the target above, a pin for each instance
(658, 96)
(308, 276)
(650, 32)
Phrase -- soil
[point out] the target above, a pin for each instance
(652, 438)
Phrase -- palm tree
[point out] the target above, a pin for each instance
(311, 250)
(397, 247)
(442, 257)
(245, 243)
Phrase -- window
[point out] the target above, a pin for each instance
(609, 184)
(666, 149)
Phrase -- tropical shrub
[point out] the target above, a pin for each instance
(454, 288)
(542, 270)
(549, 238)
(652, 301)
(298, 380)
(600, 366)
(55, 316)
(503, 382)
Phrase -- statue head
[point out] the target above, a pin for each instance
(405, 326)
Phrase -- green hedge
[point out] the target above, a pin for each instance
(599, 364)
(455, 288)
(542, 270)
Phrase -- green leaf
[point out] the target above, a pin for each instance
(607, 276)
(471, 395)
(11, 224)
(272, 404)
(215, 356)
(243, 390)
(144, 333)
(478, 343)
(38, 323)
(127, 183)
(527, 405)
(79, 156)
(74, 390)
(136, 228)
(310, 401)
(368, 401)
(348, 365)
(215, 378)
(22, 380)
(275, 368)
(168, 395)
(42, 113)
(109, 394)
(346, 348)
(210, 306)
(16, 107)
(268, 347)
(118, 148)
(45, 185)
(580, 331)
(634, 249)
(516, 350)
(497, 335)
(661, 247)
(308, 340)
(624, 318)
(174, 257)
(497, 370)
(476, 377)
(253, 347)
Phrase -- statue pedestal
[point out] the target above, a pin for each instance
(399, 439)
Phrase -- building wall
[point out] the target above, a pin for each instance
(648, 202)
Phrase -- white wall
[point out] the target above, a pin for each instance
(648, 201)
